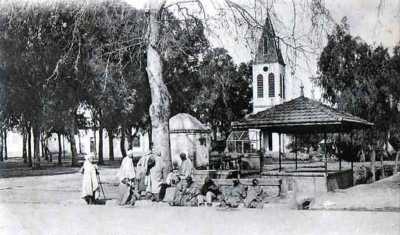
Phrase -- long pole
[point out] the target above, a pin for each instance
(337, 149)
(63, 146)
(295, 146)
(326, 155)
(101, 186)
(280, 160)
(351, 141)
(261, 154)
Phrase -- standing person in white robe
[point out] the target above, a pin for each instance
(186, 168)
(90, 184)
(142, 172)
(156, 176)
(126, 176)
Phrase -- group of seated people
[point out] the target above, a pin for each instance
(188, 194)
(178, 188)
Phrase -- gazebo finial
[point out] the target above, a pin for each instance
(302, 89)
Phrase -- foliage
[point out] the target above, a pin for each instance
(225, 92)
(305, 142)
(360, 79)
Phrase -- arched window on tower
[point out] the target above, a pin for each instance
(260, 86)
(271, 85)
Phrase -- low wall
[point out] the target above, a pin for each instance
(303, 186)
(340, 180)
(200, 175)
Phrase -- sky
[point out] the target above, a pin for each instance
(365, 20)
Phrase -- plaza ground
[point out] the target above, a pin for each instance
(52, 205)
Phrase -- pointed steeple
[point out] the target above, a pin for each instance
(268, 50)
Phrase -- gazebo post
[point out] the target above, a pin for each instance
(340, 159)
(280, 160)
(261, 153)
(326, 155)
(295, 147)
(351, 141)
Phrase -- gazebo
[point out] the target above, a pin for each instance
(299, 116)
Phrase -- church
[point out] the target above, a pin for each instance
(270, 83)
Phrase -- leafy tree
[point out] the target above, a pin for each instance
(225, 91)
(361, 80)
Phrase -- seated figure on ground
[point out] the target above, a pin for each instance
(235, 194)
(127, 185)
(90, 183)
(209, 191)
(186, 193)
(254, 196)
(172, 180)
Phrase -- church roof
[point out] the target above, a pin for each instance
(302, 115)
(268, 50)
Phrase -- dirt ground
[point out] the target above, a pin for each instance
(51, 205)
(380, 195)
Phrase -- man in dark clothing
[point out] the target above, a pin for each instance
(209, 191)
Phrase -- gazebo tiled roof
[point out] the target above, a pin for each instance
(302, 115)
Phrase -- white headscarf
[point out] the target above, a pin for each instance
(127, 170)
(89, 157)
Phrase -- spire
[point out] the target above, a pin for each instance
(268, 50)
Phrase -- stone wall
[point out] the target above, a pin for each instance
(340, 180)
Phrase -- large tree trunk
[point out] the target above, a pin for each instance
(63, 146)
(5, 145)
(130, 138)
(71, 137)
(80, 143)
(160, 107)
(1, 145)
(396, 163)
(111, 144)
(24, 140)
(101, 158)
(373, 156)
(36, 146)
(46, 148)
(59, 148)
(42, 142)
(29, 128)
(122, 142)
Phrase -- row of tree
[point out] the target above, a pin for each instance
(363, 80)
(60, 58)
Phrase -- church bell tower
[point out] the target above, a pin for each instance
(269, 81)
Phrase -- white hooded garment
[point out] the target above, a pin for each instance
(90, 183)
(127, 169)
(156, 176)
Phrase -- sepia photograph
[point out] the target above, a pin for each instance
(199, 117)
